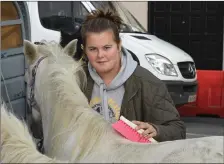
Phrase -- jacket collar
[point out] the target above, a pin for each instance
(89, 88)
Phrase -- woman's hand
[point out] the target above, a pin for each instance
(149, 130)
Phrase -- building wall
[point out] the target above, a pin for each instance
(139, 10)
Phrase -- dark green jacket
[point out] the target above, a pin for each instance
(147, 99)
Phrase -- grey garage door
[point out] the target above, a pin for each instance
(14, 29)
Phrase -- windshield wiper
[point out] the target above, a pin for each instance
(138, 32)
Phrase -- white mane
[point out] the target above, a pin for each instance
(63, 62)
(17, 145)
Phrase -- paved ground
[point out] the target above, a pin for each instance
(204, 126)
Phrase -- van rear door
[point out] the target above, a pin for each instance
(14, 29)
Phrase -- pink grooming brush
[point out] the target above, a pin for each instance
(127, 129)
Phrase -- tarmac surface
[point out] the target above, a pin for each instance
(203, 126)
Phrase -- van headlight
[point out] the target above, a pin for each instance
(161, 64)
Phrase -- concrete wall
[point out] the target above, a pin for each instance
(139, 10)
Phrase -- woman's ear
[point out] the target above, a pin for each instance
(82, 47)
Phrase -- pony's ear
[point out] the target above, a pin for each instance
(29, 51)
(71, 47)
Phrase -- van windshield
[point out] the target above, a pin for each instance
(130, 23)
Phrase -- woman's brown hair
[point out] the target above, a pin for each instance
(102, 20)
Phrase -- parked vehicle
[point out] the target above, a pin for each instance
(166, 61)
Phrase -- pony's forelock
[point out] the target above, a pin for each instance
(57, 56)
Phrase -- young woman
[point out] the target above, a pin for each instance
(118, 86)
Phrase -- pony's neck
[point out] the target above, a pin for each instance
(63, 106)
(73, 129)
(41, 97)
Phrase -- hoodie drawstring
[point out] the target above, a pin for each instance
(104, 102)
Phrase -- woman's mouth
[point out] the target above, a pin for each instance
(101, 62)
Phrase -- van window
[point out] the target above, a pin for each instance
(59, 16)
(8, 32)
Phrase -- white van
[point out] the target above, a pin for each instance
(169, 63)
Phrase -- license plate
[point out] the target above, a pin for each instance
(192, 98)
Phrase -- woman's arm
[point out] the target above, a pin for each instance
(164, 116)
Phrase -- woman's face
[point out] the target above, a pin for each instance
(103, 52)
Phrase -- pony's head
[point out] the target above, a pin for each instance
(49, 62)
(54, 54)
(51, 57)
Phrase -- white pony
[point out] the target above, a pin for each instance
(74, 132)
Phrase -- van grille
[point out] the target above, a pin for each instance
(187, 69)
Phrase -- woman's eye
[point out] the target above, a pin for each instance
(106, 48)
(92, 49)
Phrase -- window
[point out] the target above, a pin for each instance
(64, 16)
(79, 11)
(11, 35)
(8, 11)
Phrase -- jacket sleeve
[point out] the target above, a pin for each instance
(165, 117)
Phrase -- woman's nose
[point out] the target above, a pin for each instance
(100, 53)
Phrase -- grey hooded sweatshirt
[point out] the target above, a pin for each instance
(107, 100)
